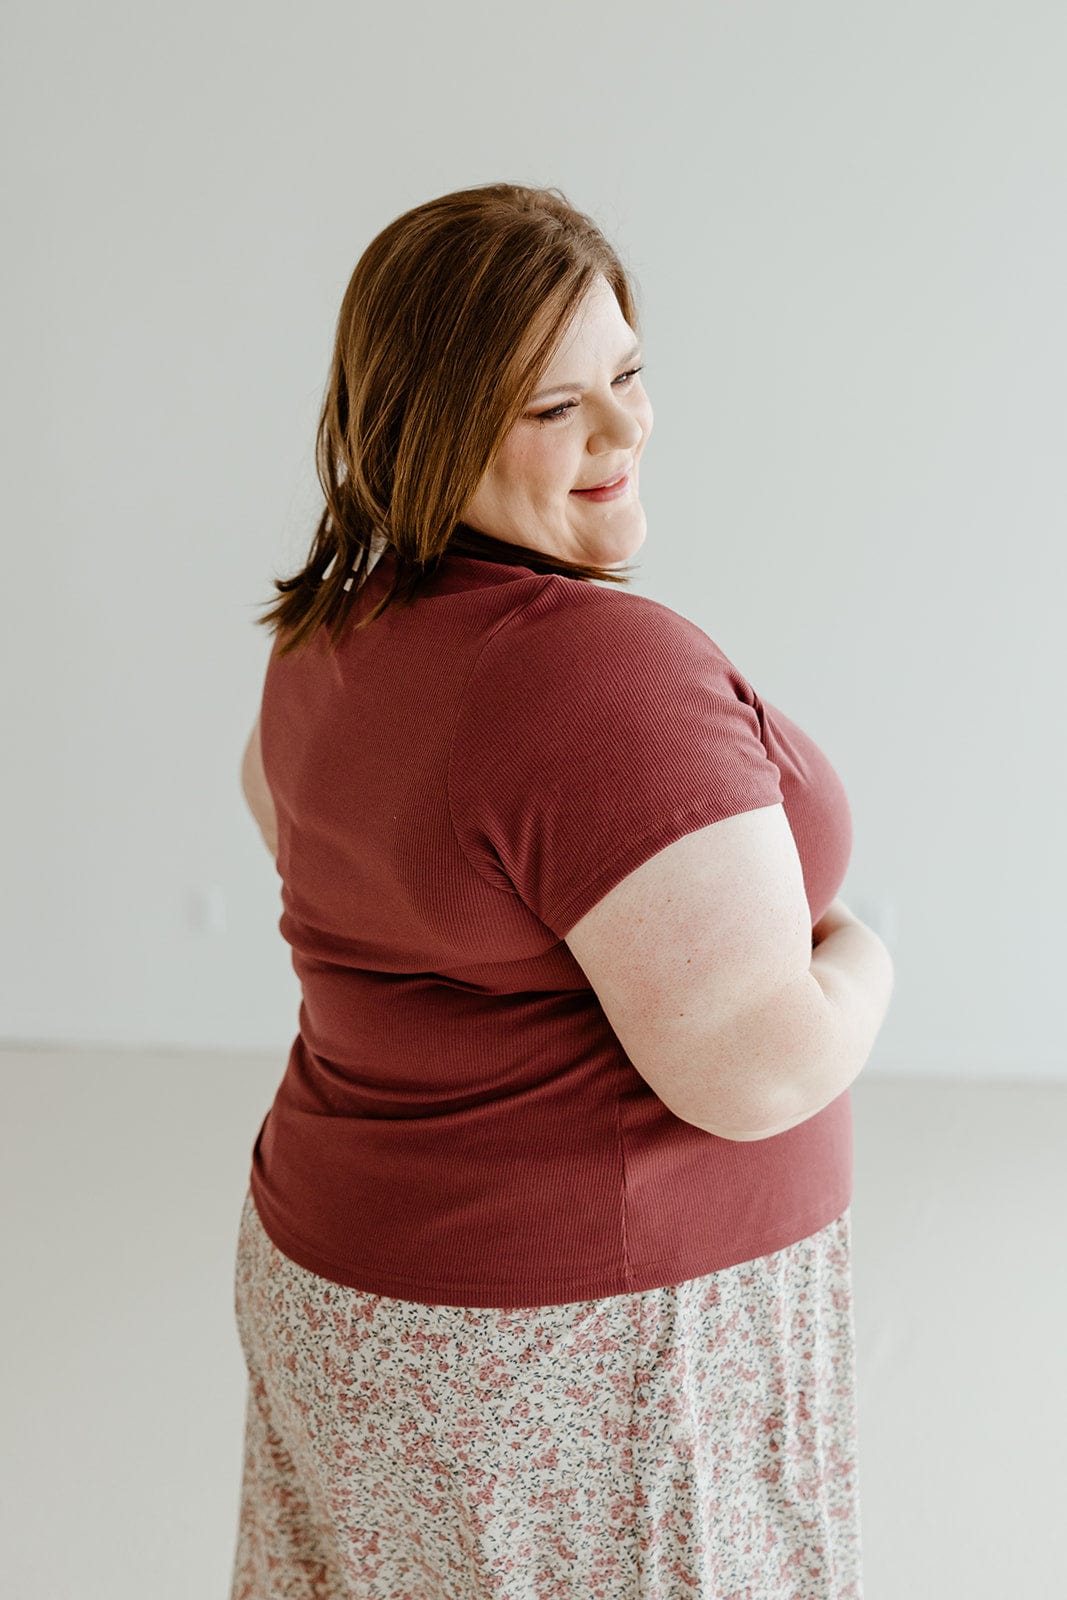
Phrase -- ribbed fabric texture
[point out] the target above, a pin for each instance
(455, 787)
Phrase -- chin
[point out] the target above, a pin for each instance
(615, 546)
(618, 556)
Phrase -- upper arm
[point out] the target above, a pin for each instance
(254, 784)
(252, 774)
(697, 958)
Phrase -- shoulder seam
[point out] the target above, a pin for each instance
(486, 642)
(512, 617)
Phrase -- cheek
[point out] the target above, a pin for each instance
(546, 465)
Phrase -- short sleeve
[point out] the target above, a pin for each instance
(597, 728)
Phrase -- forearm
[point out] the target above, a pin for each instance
(854, 972)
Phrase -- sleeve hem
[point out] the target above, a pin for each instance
(636, 852)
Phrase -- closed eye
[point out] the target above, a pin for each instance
(558, 411)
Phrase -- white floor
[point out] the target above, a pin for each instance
(123, 1382)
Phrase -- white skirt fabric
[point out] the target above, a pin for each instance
(694, 1442)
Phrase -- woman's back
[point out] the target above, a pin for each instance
(456, 786)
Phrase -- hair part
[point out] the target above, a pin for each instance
(448, 320)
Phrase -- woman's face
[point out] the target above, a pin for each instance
(528, 496)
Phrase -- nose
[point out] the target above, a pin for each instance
(620, 430)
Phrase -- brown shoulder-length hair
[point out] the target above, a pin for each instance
(447, 323)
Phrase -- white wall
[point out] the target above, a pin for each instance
(849, 232)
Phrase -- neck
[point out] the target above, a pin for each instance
(471, 541)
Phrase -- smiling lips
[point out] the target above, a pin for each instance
(608, 485)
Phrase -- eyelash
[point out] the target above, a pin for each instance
(557, 412)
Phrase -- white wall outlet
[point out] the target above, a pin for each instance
(207, 909)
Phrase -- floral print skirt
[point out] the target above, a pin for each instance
(695, 1442)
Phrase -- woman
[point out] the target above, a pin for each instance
(543, 1278)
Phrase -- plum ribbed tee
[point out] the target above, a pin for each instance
(455, 786)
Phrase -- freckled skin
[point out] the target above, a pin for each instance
(525, 497)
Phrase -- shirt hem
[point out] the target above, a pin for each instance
(606, 1284)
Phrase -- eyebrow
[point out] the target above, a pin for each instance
(544, 394)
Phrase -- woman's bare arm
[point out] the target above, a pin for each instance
(256, 792)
